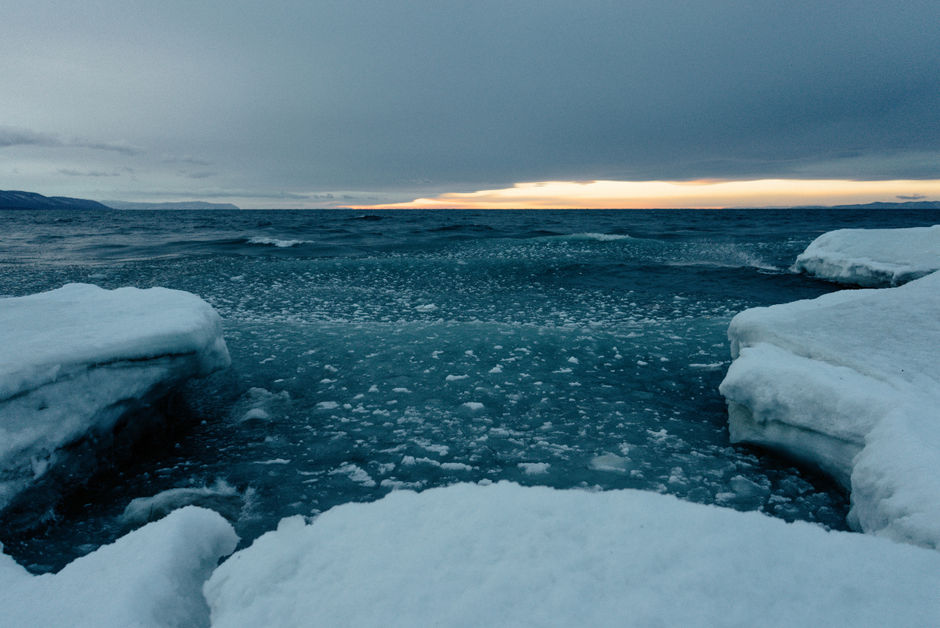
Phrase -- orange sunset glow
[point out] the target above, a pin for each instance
(678, 194)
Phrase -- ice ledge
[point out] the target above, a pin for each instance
(851, 383)
(75, 360)
(872, 257)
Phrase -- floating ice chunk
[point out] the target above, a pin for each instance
(610, 462)
(872, 257)
(472, 405)
(496, 369)
(258, 414)
(75, 360)
(504, 555)
(455, 378)
(151, 577)
(327, 405)
(426, 307)
(456, 466)
(534, 468)
(220, 497)
(355, 473)
(851, 383)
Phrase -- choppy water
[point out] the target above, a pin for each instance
(412, 349)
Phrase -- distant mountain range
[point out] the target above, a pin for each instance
(179, 205)
(884, 205)
(15, 199)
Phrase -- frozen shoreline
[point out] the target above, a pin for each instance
(872, 258)
(77, 359)
(850, 382)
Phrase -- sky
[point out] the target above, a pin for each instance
(481, 103)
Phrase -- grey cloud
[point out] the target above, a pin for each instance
(911, 197)
(186, 159)
(425, 95)
(13, 136)
(70, 172)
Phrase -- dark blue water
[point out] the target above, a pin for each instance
(412, 349)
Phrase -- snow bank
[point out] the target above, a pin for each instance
(150, 577)
(872, 257)
(850, 382)
(505, 555)
(74, 360)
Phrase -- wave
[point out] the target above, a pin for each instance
(281, 244)
(744, 263)
(600, 237)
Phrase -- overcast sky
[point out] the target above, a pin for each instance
(317, 103)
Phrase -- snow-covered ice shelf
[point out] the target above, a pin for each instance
(850, 381)
(149, 578)
(74, 360)
(872, 257)
(505, 555)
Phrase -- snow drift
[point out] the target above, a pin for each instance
(75, 360)
(872, 257)
(850, 382)
(152, 577)
(506, 555)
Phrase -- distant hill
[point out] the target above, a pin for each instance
(887, 205)
(179, 205)
(15, 199)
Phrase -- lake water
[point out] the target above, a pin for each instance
(382, 351)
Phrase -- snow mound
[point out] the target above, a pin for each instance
(851, 383)
(75, 360)
(872, 257)
(150, 577)
(506, 555)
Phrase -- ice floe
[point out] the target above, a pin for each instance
(221, 497)
(872, 257)
(152, 577)
(505, 555)
(75, 360)
(850, 381)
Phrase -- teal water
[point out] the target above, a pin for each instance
(407, 350)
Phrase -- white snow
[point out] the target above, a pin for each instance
(850, 382)
(534, 468)
(872, 257)
(504, 555)
(75, 359)
(610, 462)
(150, 577)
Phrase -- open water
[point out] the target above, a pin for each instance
(405, 350)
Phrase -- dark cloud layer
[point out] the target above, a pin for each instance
(378, 95)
